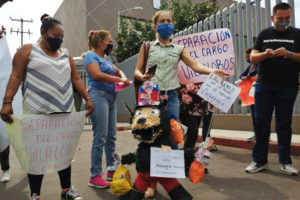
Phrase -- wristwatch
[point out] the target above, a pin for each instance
(289, 54)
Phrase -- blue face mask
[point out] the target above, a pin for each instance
(165, 30)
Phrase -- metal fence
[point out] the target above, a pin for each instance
(78, 100)
(244, 28)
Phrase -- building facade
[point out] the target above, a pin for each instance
(81, 16)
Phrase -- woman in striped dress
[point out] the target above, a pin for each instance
(49, 74)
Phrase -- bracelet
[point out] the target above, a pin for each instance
(5, 102)
(289, 54)
(88, 97)
(8, 98)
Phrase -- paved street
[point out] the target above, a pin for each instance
(226, 179)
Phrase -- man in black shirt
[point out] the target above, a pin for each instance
(276, 51)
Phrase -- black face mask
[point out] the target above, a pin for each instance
(54, 43)
(282, 25)
(108, 49)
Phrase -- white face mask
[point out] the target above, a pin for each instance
(282, 25)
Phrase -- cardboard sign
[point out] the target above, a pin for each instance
(6, 67)
(213, 49)
(218, 93)
(45, 143)
(168, 164)
(246, 86)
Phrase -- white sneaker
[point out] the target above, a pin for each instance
(289, 169)
(5, 176)
(255, 167)
(35, 197)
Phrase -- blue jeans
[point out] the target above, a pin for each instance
(268, 97)
(104, 119)
(173, 103)
(173, 109)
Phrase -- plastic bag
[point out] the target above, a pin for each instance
(121, 183)
(203, 156)
(176, 131)
(122, 173)
(197, 172)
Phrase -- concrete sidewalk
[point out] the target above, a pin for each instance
(226, 179)
(235, 138)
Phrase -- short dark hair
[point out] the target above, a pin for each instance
(281, 6)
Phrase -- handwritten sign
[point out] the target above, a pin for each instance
(246, 86)
(213, 49)
(168, 164)
(221, 95)
(45, 143)
(5, 65)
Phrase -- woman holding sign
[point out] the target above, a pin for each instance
(167, 55)
(49, 74)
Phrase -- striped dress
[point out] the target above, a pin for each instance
(47, 86)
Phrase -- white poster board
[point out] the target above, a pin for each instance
(218, 93)
(213, 49)
(45, 143)
(168, 164)
(5, 71)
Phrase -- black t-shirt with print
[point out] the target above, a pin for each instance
(278, 70)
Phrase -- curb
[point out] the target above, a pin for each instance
(238, 143)
(242, 143)
(123, 128)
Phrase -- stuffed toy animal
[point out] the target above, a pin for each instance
(151, 126)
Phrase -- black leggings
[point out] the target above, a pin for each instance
(4, 159)
(35, 181)
(192, 122)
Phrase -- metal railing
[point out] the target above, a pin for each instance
(244, 28)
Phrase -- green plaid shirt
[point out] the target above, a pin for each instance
(167, 59)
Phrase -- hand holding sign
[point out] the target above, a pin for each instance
(221, 74)
(220, 94)
(45, 143)
(213, 49)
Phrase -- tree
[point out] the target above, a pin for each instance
(187, 13)
(134, 32)
(131, 37)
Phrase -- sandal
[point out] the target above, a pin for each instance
(150, 191)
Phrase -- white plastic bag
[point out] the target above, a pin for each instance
(6, 67)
